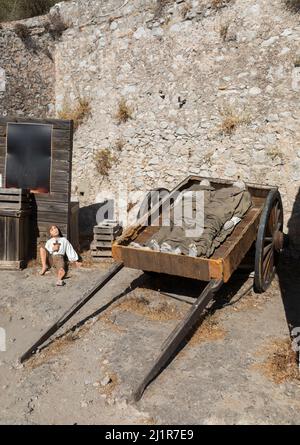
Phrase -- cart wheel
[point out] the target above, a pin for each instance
(269, 242)
(147, 204)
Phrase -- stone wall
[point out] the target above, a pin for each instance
(213, 91)
(184, 69)
(27, 71)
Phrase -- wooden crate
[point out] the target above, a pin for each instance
(14, 199)
(14, 228)
(104, 236)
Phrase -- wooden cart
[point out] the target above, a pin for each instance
(266, 214)
(261, 227)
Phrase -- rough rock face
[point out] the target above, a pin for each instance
(211, 90)
(27, 69)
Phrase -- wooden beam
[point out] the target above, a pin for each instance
(176, 337)
(72, 311)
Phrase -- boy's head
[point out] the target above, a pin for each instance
(55, 231)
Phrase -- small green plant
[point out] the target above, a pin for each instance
(78, 114)
(124, 112)
(293, 5)
(232, 119)
(104, 161)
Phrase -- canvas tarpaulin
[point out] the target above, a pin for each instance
(220, 207)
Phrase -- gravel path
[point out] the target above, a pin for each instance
(88, 374)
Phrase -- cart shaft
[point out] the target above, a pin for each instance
(72, 311)
(176, 337)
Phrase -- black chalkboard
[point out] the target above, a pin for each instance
(28, 160)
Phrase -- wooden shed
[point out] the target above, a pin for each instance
(36, 155)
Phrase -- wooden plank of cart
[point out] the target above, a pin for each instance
(262, 226)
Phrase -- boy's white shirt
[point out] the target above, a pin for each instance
(66, 248)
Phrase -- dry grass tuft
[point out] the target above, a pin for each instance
(224, 31)
(78, 113)
(131, 206)
(109, 389)
(148, 421)
(162, 311)
(281, 364)
(297, 63)
(87, 259)
(22, 31)
(120, 144)
(56, 26)
(159, 7)
(232, 119)
(56, 348)
(186, 8)
(107, 318)
(218, 4)
(89, 262)
(293, 5)
(275, 154)
(209, 330)
(104, 161)
(124, 112)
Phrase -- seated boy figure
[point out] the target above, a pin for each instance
(54, 253)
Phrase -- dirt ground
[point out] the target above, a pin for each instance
(88, 373)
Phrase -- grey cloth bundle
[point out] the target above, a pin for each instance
(220, 206)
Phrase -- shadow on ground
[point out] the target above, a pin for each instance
(178, 287)
(289, 269)
(89, 216)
